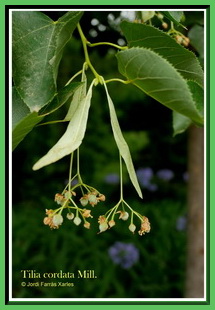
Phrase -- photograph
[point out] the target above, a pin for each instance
(108, 130)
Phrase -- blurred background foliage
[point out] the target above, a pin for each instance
(161, 164)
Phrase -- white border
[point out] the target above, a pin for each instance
(11, 299)
(205, 154)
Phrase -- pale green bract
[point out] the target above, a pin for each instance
(77, 97)
(121, 144)
(73, 136)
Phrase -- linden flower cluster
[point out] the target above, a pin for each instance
(179, 37)
(107, 221)
(80, 212)
(76, 214)
(182, 39)
(92, 198)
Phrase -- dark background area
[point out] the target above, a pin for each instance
(147, 127)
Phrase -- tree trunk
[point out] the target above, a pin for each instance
(195, 231)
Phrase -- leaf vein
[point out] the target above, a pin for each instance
(29, 33)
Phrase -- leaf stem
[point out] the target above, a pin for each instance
(87, 59)
(107, 43)
(118, 80)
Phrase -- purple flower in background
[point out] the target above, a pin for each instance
(124, 254)
(112, 178)
(152, 187)
(181, 223)
(165, 174)
(144, 176)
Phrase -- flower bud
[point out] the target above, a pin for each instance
(87, 225)
(145, 226)
(179, 39)
(186, 41)
(86, 213)
(111, 223)
(84, 201)
(125, 216)
(165, 25)
(57, 219)
(70, 216)
(67, 195)
(102, 219)
(77, 220)
(103, 226)
(47, 220)
(101, 197)
(92, 199)
(132, 227)
(59, 199)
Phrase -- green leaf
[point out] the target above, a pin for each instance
(174, 17)
(196, 36)
(198, 96)
(180, 123)
(122, 145)
(63, 95)
(22, 119)
(38, 43)
(23, 116)
(186, 63)
(159, 79)
(20, 110)
(24, 127)
(73, 136)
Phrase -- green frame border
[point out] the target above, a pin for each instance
(210, 303)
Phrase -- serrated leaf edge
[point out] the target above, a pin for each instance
(164, 59)
(192, 54)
